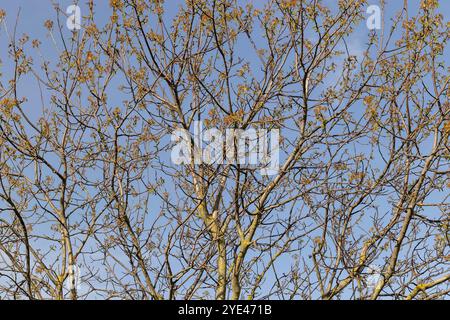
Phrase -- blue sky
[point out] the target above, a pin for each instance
(33, 13)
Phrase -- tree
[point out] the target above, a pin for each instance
(89, 194)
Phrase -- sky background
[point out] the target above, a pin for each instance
(33, 13)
